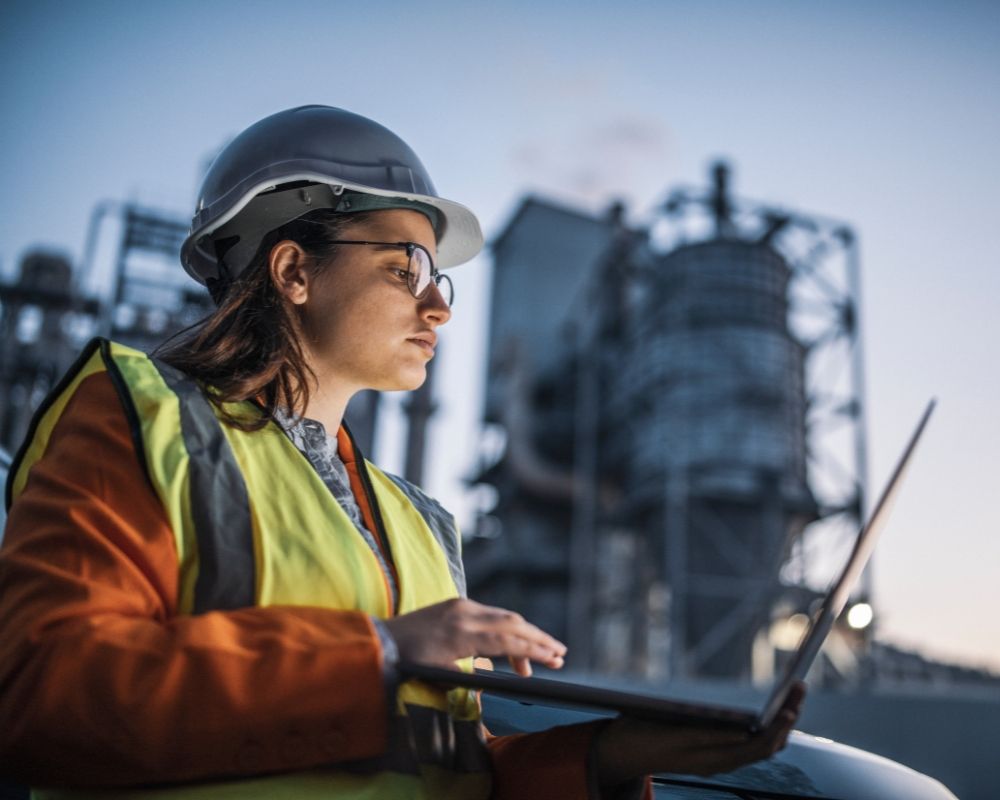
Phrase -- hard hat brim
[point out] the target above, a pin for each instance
(459, 239)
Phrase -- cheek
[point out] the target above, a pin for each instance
(362, 329)
(335, 313)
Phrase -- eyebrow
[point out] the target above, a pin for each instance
(389, 248)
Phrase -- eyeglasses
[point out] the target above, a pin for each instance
(420, 270)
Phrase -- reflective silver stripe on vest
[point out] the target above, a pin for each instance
(428, 737)
(220, 507)
(442, 525)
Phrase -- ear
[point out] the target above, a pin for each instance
(289, 266)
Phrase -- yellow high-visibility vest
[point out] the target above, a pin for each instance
(255, 525)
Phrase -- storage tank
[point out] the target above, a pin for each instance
(715, 374)
(716, 435)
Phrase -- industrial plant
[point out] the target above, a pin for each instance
(673, 428)
(676, 441)
(683, 412)
(672, 459)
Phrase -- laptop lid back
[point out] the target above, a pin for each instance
(840, 590)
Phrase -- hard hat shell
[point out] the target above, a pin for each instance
(321, 145)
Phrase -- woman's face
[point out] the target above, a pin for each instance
(362, 328)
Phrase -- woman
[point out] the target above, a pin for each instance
(206, 587)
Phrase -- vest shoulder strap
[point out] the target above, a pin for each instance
(95, 357)
(442, 524)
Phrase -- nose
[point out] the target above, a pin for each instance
(433, 308)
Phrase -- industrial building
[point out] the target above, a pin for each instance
(51, 309)
(680, 403)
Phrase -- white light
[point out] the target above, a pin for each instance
(860, 616)
(785, 634)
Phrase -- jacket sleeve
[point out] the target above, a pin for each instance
(103, 683)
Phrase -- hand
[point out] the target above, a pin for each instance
(628, 748)
(441, 634)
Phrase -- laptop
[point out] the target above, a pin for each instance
(673, 711)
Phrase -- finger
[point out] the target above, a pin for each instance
(786, 732)
(543, 655)
(775, 736)
(505, 640)
(783, 742)
(518, 647)
(521, 665)
(513, 623)
(796, 697)
(545, 645)
(786, 721)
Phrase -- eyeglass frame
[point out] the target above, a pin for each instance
(436, 275)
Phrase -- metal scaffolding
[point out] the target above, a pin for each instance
(709, 426)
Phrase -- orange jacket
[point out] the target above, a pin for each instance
(102, 683)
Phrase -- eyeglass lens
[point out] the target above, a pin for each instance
(421, 273)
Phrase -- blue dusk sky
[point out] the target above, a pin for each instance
(883, 114)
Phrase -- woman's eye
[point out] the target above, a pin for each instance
(402, 274)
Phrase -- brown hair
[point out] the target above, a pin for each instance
(250, 347)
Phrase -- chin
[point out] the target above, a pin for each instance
(409, 380)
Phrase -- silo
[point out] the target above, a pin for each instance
(661, 406)
(714, 382)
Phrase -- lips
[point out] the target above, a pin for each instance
(426, 341)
